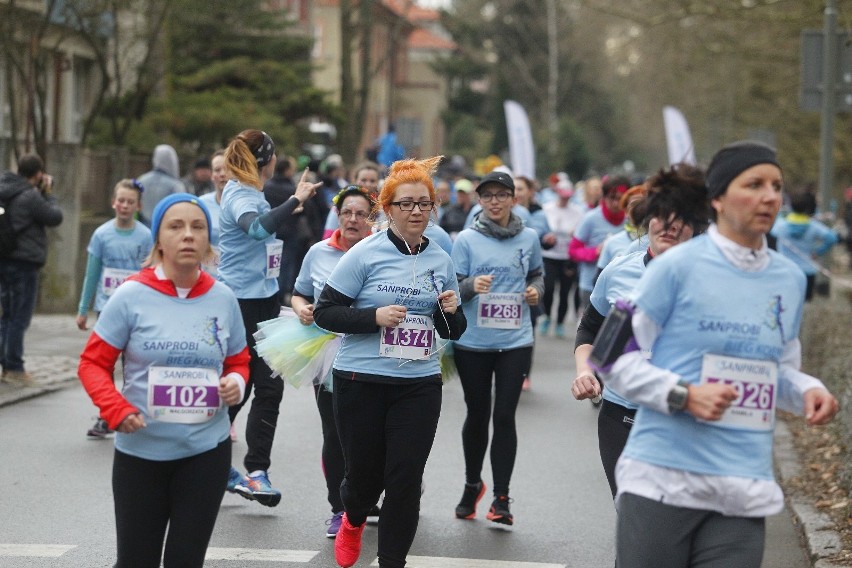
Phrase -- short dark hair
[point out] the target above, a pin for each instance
(29, 165)
(678, 191)
(803, 202)
(283, 165)
(202, 163)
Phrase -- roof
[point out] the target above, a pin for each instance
(424, 39)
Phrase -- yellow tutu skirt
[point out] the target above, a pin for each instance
(296, 352)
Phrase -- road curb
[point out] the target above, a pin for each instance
(821, 540)
(51, 373)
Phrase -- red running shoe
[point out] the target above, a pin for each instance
(347, 545)
(499, 512)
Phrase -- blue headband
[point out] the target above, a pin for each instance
(168, 201)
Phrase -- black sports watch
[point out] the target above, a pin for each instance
(678, 396)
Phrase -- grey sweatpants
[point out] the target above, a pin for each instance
(651, 534)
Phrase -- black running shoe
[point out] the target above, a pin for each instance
(466, 509)
(499, 512)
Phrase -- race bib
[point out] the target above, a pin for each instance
(184, 395)
(500, 311)
(756, 383)
(411, 339)
(112, 278)
(273, 258)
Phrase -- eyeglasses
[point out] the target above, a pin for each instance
(409, 205)
(357, 214)
(501, 197)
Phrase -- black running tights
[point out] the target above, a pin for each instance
(182, 495)
(476, 369)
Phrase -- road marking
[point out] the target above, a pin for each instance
(35, 550)
(261, 555)
(441, 562)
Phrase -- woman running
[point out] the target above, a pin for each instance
(181, 337)
(498, 262)
(720, 316)
(389, 294)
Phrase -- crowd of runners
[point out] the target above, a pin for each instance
(374, 290)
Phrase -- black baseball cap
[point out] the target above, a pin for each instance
(500, 178)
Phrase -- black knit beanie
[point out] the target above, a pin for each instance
(732, 160)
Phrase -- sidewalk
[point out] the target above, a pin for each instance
(51, 353)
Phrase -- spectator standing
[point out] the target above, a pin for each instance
(455, 215)
(31, 207)
(295, 232)
(390, 150)
(161, 181)
(200, 180)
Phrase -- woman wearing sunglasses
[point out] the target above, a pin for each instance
(499, 267)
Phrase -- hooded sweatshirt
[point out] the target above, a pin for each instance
(162, 180)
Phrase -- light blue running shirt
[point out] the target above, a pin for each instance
(376, 274)
(154, 329)
(510, 261)
(244, 262)
(705, 305)
(593, 230)
(120, 250)
(616, 282)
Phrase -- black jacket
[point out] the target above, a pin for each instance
(31, 212)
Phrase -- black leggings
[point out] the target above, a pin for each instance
(386, 431)
(614, 423)
(182, 495)
(476, 368)
(268, 390)
(565, 273)
(332, 453)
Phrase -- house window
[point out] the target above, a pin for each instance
(80, 96)
(409, 132)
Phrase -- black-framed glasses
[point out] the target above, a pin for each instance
(409, 205)
(501, 196)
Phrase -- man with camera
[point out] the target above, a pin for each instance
(27, 200)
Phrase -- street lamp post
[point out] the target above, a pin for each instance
(829, 70)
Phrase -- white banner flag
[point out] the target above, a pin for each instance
(521, 148)
(678, 139)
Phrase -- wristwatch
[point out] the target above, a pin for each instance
(678, 396)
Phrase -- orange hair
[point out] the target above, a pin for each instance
(240, 159)
(637, 190)
(409, 171)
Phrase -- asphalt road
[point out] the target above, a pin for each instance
(57, 503)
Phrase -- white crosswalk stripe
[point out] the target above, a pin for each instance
(441, 562)
(35, 550)
(261, 554)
